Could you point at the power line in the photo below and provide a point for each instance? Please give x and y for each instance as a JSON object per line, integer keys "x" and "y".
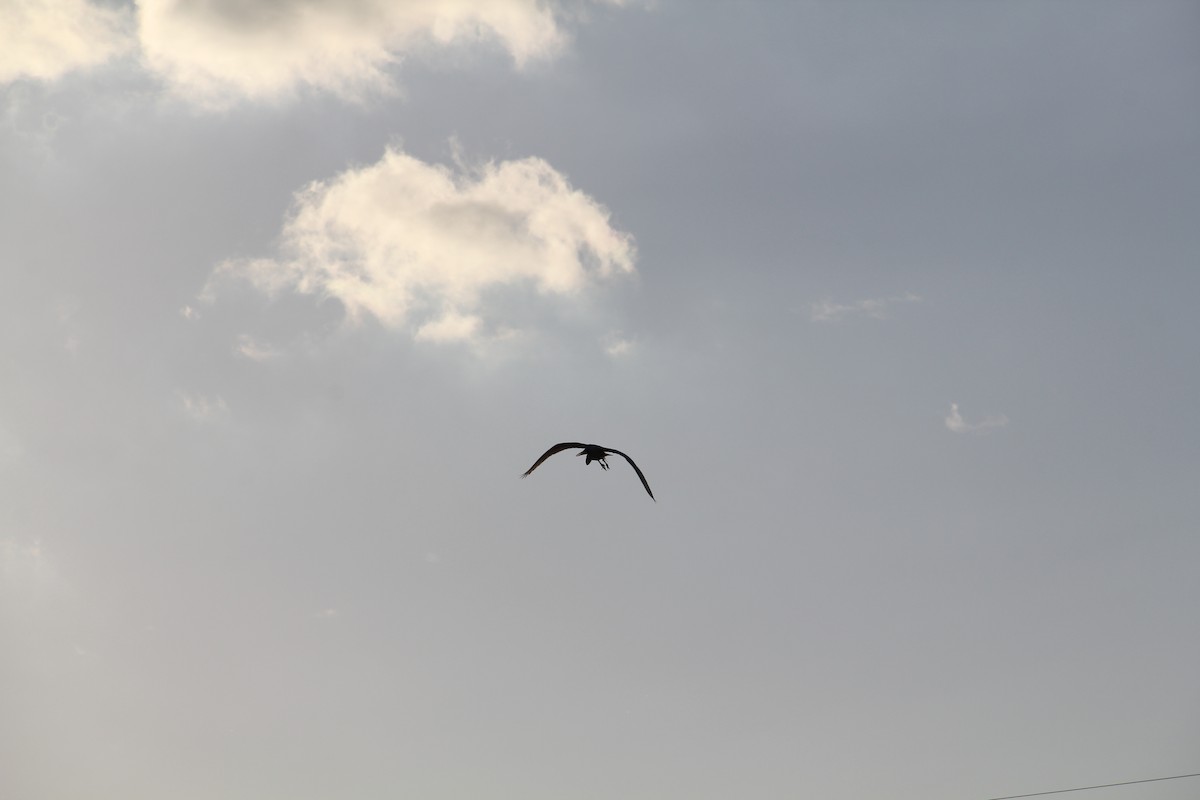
{"x": 1101, "y": 786}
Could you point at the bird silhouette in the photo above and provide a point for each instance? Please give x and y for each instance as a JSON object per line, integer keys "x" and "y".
{"x": 594, "y": 452}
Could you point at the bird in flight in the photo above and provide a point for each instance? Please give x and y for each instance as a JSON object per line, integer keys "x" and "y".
{"x": 594, "y": 452}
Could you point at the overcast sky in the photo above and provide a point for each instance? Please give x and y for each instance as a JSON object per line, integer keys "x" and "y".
{"x": 893, "y": 303}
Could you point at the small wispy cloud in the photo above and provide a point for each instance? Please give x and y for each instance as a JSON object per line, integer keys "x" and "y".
{"x": 66, "y": 308}
{"x": 251, "y": 348}
{"x": 617, "y": 345}
{"x": 956, "y": 424}
{"x": 876, "y": 307}
{"x": 326, "y": 613}
{"x": 12, "y": 549}
{"x": 189, "y": 313}
{"x": 34, "y": 128}
{"x": 67, "y": 312}
{"x": 450, "y": 327}
{"x": 23, "y": 560}
{"x": 202, "y": 408}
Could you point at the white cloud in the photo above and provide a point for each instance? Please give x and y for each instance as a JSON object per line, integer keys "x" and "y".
{"x": 422, "y": 248}
{"x": 202, "y": 408}
{"x": 221, "y": 50}
{"x": 251, "y": 348}
{"x": 326, "y": 613}
{"x": 451, "y": 326}
{"x": 617, "y": 346}
{"x": 46, "y": 39}
{"x": 214, "y": 53}
{"x": 829, "y": 311}
{"x": 956, "y": 424}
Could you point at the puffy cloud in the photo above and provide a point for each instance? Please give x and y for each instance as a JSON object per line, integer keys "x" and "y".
{"x": 45, "y": 39}
{"x": 829, "y": 311}
{"x": 214, "y": 51}
{"x": 956, "y": 424}
{"x": 420, "y": 247}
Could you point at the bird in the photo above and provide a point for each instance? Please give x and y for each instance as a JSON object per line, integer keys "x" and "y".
{"x": 594, "y": 452}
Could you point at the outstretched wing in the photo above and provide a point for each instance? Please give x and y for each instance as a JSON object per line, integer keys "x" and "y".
{"x": 635, "y": 469}
{"x": 558, "y": 448}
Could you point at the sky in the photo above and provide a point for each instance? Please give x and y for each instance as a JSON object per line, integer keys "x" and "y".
{"x": 894, "y": 304}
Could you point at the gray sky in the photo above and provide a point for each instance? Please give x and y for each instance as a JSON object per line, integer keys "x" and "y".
{"x": 894, "y": 304}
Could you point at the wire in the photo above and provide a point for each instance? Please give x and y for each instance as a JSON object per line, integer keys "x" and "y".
{"x": 1101, "y": 786}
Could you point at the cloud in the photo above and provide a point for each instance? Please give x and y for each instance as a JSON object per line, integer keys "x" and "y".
{"x": 617, "y": 346}
{"x": 428, "y": 250}
{"x": 46, "y": 39}
{"x": 202, "y": 408}
{"x": 829, "y": 311}
{"x": 450, "y": 327}
{"x": 251, "y": 348}
{"x": 213, "y": 51}
{"x": 23, "y": 560}
{"x": 26, "y": 123}
{"x": 956, "y": 424}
